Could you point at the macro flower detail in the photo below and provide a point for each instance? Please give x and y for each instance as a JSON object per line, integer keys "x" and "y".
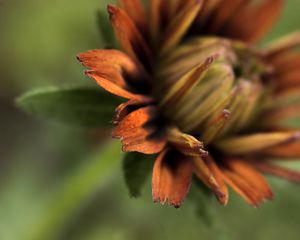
{"x": 201, "y": 96}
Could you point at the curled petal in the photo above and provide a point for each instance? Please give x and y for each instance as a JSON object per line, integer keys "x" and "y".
{"x": 139, "y": 134}
{"x": 171, "y": 178}
{"x": 125, "y": 108}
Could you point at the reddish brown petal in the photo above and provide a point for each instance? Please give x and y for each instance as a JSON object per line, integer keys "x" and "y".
{"x": 290, "y": 150}
{"x": 203, "y": 170}
{"x": 279, "y": 115}
{"x": 125, "y": 108}
{"x": 252, "y": 22}
{"x": 216, "y": 171}
{"x": 111, "y": 64}
{"x": 138, "y": 134}
{"x": 242, "y": 187}
{"x": 155, "y": 18}
{"x": 171, "y": 178}
{"x": 208, "y": 8}
{"x": 288, "y": 80}
{"x": 129, "y": 36}
{"x": 136, "y": 11}
{"x": 112, "y": 87}
{"x": 278, "y": 171}
{"x": 223, "y": 14}
{"x": 284, "y": 63}
{"x": 252, "y": 176}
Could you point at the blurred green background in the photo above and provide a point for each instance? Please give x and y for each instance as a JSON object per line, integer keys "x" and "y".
{"x": 57, "y": 183}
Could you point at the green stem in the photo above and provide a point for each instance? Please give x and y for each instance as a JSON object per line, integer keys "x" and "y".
{"x": 78, "y": 188}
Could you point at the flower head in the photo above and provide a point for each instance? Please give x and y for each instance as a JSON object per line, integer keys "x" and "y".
{"x": 200, "y": 95}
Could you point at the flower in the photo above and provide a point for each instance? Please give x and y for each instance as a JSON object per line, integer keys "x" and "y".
{"x": 201, "y": 96}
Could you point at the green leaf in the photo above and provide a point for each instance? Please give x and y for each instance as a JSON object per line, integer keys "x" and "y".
{"x": 85, "y": 107}
{"x": 137, "y": 167}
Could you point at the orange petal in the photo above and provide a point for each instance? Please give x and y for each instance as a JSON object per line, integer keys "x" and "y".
{"x": 129, "y": 36}
{"x": 278, "y": 171}
{"x": 242, "y": 187}
{"x": 113, "y": 87}
{"x": 138, "y": 134}
{"x": 111, "y": 64}
{"x": 136, "y": 11}
{"x": 290, "y": 150}
{"x": 171, "y": 179}
{"x": 223, "y": 14}
{"x": 252, "y": 22}
{"x": 281, "y": 114}
{"x": 288, "y": 80}
{"x": 216, "y": 171}
{"x": 125, "y": 108}
{"x": 203, "y": 170}
{"x": 208, "y": 8}
{"x": 252, "y": 176}
{"x": 285, "y": 62}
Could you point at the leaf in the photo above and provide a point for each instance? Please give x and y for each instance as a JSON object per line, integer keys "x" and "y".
{"x": 137, "y": 168}
{"x": 86, "y": 107}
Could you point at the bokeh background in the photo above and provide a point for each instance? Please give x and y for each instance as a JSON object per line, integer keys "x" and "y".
{"x": 57, "y": 182}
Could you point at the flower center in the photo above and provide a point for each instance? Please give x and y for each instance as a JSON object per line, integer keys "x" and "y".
{"x": 210, "y": 87}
